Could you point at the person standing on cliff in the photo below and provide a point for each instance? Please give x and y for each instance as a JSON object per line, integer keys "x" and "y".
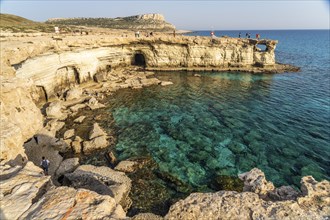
{"x": 45, "y": 165}
{"x": 239, "y": 35}
{"x": 258, "y": 36}
{"x": 174, "y": 33}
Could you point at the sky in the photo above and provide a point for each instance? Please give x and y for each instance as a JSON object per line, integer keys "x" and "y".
{"x": 187, "y": 14}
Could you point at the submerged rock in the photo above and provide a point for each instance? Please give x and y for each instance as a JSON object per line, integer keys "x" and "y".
{"x": 96, "y": 131}
{"x": 79, "y": 119}
{"x": 127, "y": 166}
{"x": 229, "y": 183}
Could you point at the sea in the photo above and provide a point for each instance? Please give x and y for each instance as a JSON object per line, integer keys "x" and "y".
{"x": 226, "y": 123}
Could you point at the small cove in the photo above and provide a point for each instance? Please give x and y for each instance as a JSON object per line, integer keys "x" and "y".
{"x": 223, "y": 124}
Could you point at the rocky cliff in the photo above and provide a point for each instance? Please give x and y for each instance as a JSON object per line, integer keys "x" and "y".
{"x": 152, "y": 22}
{"x": 56, "y": 64}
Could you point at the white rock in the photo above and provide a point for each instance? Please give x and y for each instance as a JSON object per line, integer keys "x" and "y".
{"x": 67, "y": 166}
{"x": 54, "y": 110}
{"x": 19, "y": 191}
{"x": 79, "y": 119}
{"x": 127, "y": 166}
{"x": 96, "y": 131}
{"x": 102, "y": 180}
{"x": 74, "y": 93}
{"x": 166, "y": 83}
{"x": 69, "y": 203}
{"x": 95, "y": 144}
{"x": 68, "y": 134}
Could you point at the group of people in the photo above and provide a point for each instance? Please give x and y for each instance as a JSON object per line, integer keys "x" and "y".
{"x": 248, "y": 35}
{"x": 137, "y": 34}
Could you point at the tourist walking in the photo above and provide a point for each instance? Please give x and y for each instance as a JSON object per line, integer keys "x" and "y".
{"x": 45, "y": 165}
{"x": 258, "y": 36}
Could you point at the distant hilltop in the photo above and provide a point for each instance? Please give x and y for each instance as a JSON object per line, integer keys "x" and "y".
{"x": 154, "y": 22}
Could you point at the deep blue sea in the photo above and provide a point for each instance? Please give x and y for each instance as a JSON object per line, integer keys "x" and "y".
{"x": 228, "y": 123}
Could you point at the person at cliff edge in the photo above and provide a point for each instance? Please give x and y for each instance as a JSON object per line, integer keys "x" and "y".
{"x": 45, "y": 165}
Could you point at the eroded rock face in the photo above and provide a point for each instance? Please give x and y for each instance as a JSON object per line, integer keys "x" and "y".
{"x": 64, "y": 67}
{"x": 43, "y": 146}
{"x": 314, "y": 203}
{"x": 69, "y": 203}
{"x": 255, "y": 181}
{"x": 102, "y": 180}
{"x": 20, "y": 119}
{"x": 19, "y": 186}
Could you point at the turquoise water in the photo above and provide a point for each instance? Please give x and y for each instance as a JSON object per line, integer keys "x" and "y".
{"x": 227, "y": 123}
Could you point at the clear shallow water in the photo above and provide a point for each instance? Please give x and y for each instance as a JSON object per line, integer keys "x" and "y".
{"x": 228, "y": 123}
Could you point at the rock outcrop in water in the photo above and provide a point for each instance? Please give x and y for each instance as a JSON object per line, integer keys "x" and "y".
{"x": 314, "y": 202}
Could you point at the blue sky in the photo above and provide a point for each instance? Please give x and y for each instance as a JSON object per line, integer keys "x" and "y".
{"x": 188, "y": 15}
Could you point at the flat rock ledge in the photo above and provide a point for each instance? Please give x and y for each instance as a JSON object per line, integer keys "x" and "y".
{"x": 258, "y": 202}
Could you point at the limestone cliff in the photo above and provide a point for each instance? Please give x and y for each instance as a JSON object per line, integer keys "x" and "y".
{"x": 54, "y": 65}
{"x": 152, "y": 22}
{"x": 20, "y": 119}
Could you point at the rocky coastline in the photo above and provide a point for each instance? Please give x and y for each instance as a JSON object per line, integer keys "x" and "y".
{"x": 45, "y": 81}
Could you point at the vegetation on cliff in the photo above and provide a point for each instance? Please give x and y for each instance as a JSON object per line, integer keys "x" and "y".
{"x": 139, "y": 22}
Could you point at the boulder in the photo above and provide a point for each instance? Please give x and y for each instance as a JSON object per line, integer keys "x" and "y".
{"x": 94, "y": 104}
{"x": 76, "y": 145}
{"x": 54, "y": 110}
{"x": 52, "y": 127}
{"x": 316, "y": 195}
{"x": 95, "y": 144}
{"x": 166, "y": 83}
{"x": 283, "y": 193}
{"x": 150, "y": 81}
{"x": 127, "y": 166}
{"x": 19, "y": 188}
{"x": 79, "y": 119}
{"x": 96, "y": 131}
{"x": 61, "y": 145}
{"x": 68, "y": 134}
{"x": 67, "y": 166}
{"x": 255, "y": 181}
{"x": 69, "y": 203}
{"x": 75, "y": 108}
{"x": 101, "y": 76}
{"x": 102, "y": 180}
{"x": 74, "y": 93}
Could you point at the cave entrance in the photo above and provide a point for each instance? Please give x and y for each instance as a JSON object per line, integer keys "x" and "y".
{"x": 139, "y": 60}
